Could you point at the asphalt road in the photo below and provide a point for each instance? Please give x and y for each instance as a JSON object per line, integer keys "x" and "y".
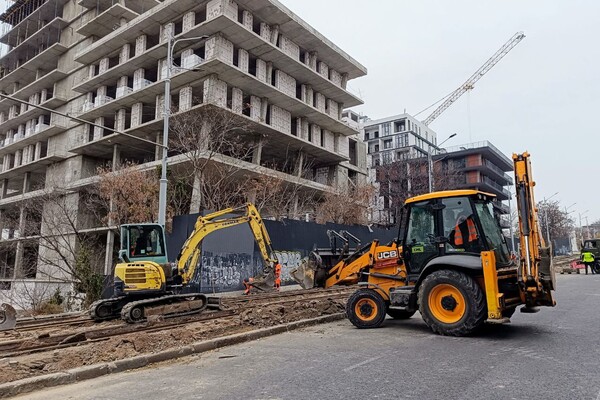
{"x": 554, "y": 354}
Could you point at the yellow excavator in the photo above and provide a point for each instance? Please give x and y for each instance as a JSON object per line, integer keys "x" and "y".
{"x": 146, "y": 284}
{"x": 450, "y": 262}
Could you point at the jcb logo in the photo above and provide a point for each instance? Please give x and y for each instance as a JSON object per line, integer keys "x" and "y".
{"x": 387, "y": 254}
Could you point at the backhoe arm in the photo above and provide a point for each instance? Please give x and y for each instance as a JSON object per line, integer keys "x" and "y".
{"x": 187, "y": 260}
{"x": 536, "y": 272}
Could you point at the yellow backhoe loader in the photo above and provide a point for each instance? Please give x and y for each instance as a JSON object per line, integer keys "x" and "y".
{"x": 450, "y": 262}
{"x": 146, "y": 284}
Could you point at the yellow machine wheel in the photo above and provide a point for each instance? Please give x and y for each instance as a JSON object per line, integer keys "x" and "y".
{"x": 452, "y": 303}
{"x": 447, "y": 303}
{"x": 366, "y": 309}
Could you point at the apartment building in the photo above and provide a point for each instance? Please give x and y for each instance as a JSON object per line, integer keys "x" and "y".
{"x": 104, "y": 61}
{"x": 397, "y": 138}
{"x": 401, "y": 138}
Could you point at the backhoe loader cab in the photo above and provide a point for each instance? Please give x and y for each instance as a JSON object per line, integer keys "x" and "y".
{"x": 450, "y": 227}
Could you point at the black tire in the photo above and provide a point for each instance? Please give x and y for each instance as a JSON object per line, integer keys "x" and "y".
{"x": 473, "y": 303}
{"x": 366, "y": 309}
{"x": 400, "y": 314}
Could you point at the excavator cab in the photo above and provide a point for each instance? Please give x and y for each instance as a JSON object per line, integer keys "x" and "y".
{"x": 143, "y": 242}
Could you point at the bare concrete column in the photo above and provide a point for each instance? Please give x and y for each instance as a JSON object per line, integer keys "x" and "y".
{"x": 125, "y": 53}
{"x": 269, "y": 78}
{"x": 38, "y": 151}
{"x": 274, "y": 34}
{"x": 237, "y": 100}
{"x": 264, "y": 105}
{"x": 3, "y": 188}
{"x": 299, "y": 164}
{"x": 257, "y": 153}
{"x": 344, "y": 81}
{"x": 19, "y": 270}
{"x": 27, "y": 182}
{"x": 158, "y": 148}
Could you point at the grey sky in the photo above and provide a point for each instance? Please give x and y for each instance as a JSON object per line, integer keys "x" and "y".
{"x": 539, "y": 98}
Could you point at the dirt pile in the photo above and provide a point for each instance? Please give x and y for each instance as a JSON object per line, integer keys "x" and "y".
{"x": 89, "y": 352}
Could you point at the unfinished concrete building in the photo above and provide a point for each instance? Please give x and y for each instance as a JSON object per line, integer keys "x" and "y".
{"x": 105, "y": 61}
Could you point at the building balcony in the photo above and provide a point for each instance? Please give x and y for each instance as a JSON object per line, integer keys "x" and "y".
{"x": 234, "y": 77}
{"x": 45, "y": 12}
{"x": 488, "y": 168}
{"x": 486, "y": 149}
{"x": 38, "y": 133}
{"x": 137, "y": 6}
{"x": 27, "y": 72}
{"x": 32, "y": 113}
{"x": 34, "y": 87}
{"x": 233, "y": 30}
{"x": 34, "y": 165}
{"x": 46, "y": 36}
{"x": 279, "y": 142}
{"x": 107, "y": 21}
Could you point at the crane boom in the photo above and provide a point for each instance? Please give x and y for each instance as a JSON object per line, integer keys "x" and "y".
{"x": 470, "y": 83}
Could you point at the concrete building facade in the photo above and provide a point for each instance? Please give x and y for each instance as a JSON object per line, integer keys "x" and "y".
{"x": 104, "y": 61}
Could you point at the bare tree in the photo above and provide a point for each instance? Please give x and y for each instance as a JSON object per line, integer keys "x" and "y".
{"x": 126, "y": 195}
{"x": 347, "y": 205}
{"x": 554, "y": 220}
{"x": 214, "y": 141}
{"x": 403, "y": 179}
{"x": 57, "y": 248}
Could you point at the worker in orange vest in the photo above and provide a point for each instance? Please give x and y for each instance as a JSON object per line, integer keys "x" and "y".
{"x": 277, "y": 275}
{"x": 465, "y": 227}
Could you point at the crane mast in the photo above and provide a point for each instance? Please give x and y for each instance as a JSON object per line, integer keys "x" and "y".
{"x": 470, "y": 83}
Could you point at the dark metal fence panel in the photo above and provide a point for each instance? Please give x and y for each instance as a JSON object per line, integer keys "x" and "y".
{"x": 230, "y": 255}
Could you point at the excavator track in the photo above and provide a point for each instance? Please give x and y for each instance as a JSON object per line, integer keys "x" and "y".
{"x": 168, "y": 306}
{"x": 106, "y": 309}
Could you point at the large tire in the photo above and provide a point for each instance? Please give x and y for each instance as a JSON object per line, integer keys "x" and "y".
{"x": 452, "y": 303}
{"x": 400, "y": 314}
{"x": 366, "y": 309}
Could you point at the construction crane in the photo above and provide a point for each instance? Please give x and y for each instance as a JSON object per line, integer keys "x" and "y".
{"x": 470, "y": 83}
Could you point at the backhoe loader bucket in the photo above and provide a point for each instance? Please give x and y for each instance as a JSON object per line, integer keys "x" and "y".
{"x": 304, "y": 275}
{"x": 8, "y": 317}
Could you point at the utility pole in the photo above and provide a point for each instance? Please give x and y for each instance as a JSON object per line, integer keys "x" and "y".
{"x": 162, "y": 195}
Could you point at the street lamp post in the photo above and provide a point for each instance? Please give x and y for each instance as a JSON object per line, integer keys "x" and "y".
{"x": 430, "y": 162}
{"x": 162, "y": 196}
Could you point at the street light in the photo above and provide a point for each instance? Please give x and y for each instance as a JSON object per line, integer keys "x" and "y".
{"x": 162, "y": 196}
{"x": 430, "y": 163}
{"x": 547, "y": 219}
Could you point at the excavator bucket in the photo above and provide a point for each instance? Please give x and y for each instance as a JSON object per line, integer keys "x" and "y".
{"x": 304, "y": 275}
{"x": 264, "y": 282}
{"x": 8, "y": 317}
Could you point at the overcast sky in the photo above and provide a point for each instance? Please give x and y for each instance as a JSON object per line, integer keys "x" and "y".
{"x": 543, "y": 97}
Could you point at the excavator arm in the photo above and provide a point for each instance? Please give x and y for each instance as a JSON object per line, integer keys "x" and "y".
{"x": 187, "y": 260}
{"x": 536, "y": 274}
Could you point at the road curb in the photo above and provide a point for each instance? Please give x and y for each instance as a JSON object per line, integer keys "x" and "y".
{"x": 28, "y": 385}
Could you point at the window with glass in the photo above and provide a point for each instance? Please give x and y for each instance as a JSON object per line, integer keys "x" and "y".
{"x": 492, "y": 231}
{"x": 459, "y": 226}
{"x": 146, "y": 241}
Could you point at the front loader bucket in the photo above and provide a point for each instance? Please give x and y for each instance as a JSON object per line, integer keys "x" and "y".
{"x": 304, "y": 275}
{"x": 546, "y": 269}
{"x": 8, "y": 317}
